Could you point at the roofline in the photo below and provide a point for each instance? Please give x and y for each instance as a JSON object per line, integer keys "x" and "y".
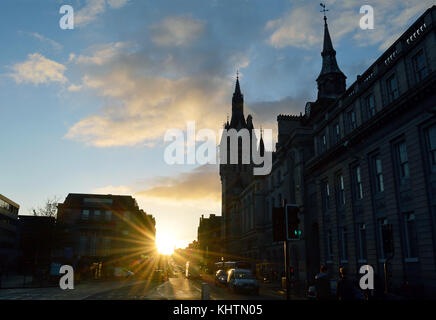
{"x": 2, "y": 197}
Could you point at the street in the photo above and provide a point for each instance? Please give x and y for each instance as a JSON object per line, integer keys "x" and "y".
{"x": 176, "y": 288}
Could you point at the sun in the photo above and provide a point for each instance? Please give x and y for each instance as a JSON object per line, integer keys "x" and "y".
{"x": 165, "y": 245}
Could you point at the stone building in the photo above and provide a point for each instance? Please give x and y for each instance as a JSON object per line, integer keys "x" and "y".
{"x": 358, "y": 159}
{"x": 209, "y": 240}
{"x": 96, "y": 229}
{"x": 9, "y": 244}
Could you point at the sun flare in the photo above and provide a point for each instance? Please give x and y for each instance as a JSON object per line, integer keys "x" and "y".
{"x": 165, "y": 245}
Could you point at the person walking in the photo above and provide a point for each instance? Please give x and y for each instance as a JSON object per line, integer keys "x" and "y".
{"x": 322, "y": 284}
{"x": 344, "y": 286}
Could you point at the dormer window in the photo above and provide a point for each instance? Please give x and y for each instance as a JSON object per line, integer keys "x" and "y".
{"x": 419, "y": 65}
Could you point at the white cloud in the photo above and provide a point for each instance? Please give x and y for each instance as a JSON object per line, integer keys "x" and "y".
{"x": 302, "y": 25}
{"x": 101, "y": 54}
{"x": 141, "y": 109}
{"x": 176, "y": 31}
{"x": 38, "y": 69}
{"x": 116, "y": 4}
{"x": 95, "y": 8}
{"x": 74, "y": 87}
{"x": 56, "y": 46}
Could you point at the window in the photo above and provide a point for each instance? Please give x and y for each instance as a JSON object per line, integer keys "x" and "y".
{"x": 344, "y": 246}
{"x": 329, "y": 246}
{"x": 403, "y": 163}
{"x": 106, "y": 246}
{"x": 392, "y": 86}
{"x": 127, "y": 215}
{"x": 83, "y": 245}
{"x": 325, "y": 194}
{"x": 370, "y": 105}
{"x": 411, "y": 236}
{"x": 419, "y": 65}
{"x": 431, "y": 145}
{"x": 341, "y": 190}
{"x": 361, "y": 242}
{"x": 322, "y": 143}
{"x": 358, "y": 188}
{"x": 351, "y": 120}
{"x": 108, "y": 215}
{"x": 379, "y": 184}
{"x": 382, "y": 223}
{"x": 97, "y": 214}
{"x": 85, "y": 215}
{"x": 336, "y": 134}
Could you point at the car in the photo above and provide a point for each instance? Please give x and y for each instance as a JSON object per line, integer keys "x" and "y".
{"x": 221, "y": 277}
{"x": 242, "y": 280}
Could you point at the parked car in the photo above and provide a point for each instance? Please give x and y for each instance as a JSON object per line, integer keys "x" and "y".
{"x": 242, "y": 280}
{"x": 221, "y": 277}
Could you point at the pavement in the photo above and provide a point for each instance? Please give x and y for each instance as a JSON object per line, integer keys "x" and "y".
{"x": 81, "y": 291}
{"x": 175, "y": 288}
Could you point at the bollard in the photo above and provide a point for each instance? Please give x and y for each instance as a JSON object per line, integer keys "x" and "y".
{"x": 205, "y": 291}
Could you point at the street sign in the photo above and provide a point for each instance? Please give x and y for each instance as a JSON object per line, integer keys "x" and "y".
{"x": 293, "y": 231}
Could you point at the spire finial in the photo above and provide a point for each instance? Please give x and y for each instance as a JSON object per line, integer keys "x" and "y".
{"x": 324, "y": 10}
{"x": 237, "y": 74}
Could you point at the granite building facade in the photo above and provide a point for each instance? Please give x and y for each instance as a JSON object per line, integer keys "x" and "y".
{"x": 111, "y": 229}
{"x": 358, "y": 159}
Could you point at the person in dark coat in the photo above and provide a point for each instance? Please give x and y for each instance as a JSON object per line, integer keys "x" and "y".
{"x": 322, "y": 284}
{"x": 344, "y": 286}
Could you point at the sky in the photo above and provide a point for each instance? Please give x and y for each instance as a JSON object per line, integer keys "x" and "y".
{"x": 86, "y": 110}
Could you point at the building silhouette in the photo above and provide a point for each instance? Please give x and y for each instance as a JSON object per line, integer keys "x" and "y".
{"x": 110, "y": 230}
{"x": 9, "y": 250}
{"x": 209, "y": 240}
{"x": 360, "y": 160}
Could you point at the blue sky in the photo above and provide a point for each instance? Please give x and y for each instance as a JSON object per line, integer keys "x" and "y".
{"x": 85, "y": 110}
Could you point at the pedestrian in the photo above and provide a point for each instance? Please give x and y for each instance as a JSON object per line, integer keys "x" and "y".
{"x": 344, "y": 286}
{"x": 322, "y": 284}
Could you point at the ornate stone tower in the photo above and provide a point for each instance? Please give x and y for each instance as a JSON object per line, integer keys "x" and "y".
{"x": 234, "y": 177}
{"x": 331, "y": 80}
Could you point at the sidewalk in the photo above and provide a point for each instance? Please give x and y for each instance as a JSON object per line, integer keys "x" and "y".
{"x": 81, "y": 291}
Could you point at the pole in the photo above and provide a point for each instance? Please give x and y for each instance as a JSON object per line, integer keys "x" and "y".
{"x": 288, "y": 287}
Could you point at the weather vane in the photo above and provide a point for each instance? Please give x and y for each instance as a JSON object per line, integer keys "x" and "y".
{"x": 324, "y": 10}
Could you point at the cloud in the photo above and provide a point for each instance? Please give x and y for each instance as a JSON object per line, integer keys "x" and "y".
{"x": 176, "y": 31}
{"x": 95, "y": 8}
{"x": 141, "y": 109}
{"x": 38, "y": 69}
{"x": 116, "y": 4}
{"x": 199, "y": 184}
{"x": 101, "y": 54}
{"x": 74, "y": 87}
{"x": 118, "y": 190}
{"x": 302, "y": 25}
{"x": 55, "y": 45}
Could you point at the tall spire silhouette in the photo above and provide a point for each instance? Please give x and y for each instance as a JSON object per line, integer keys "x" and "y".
{"x": 331, "y": 80}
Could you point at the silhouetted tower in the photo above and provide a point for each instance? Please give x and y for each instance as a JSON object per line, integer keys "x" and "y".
{"x": 331, "y": 80}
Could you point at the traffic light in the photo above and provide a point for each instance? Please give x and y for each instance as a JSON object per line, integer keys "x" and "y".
{"x": 278, "y": 221}
{"x": 292, "y": 222}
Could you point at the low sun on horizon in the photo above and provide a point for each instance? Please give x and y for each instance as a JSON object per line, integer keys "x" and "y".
{"x": 165, "y": 244}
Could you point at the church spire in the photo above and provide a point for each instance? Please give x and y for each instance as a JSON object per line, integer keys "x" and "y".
{"x": 238, "y": 120}
{"x": 331, "y": 80}
{"x": 261, "y": 144}
{"x": 237, "y": 95}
